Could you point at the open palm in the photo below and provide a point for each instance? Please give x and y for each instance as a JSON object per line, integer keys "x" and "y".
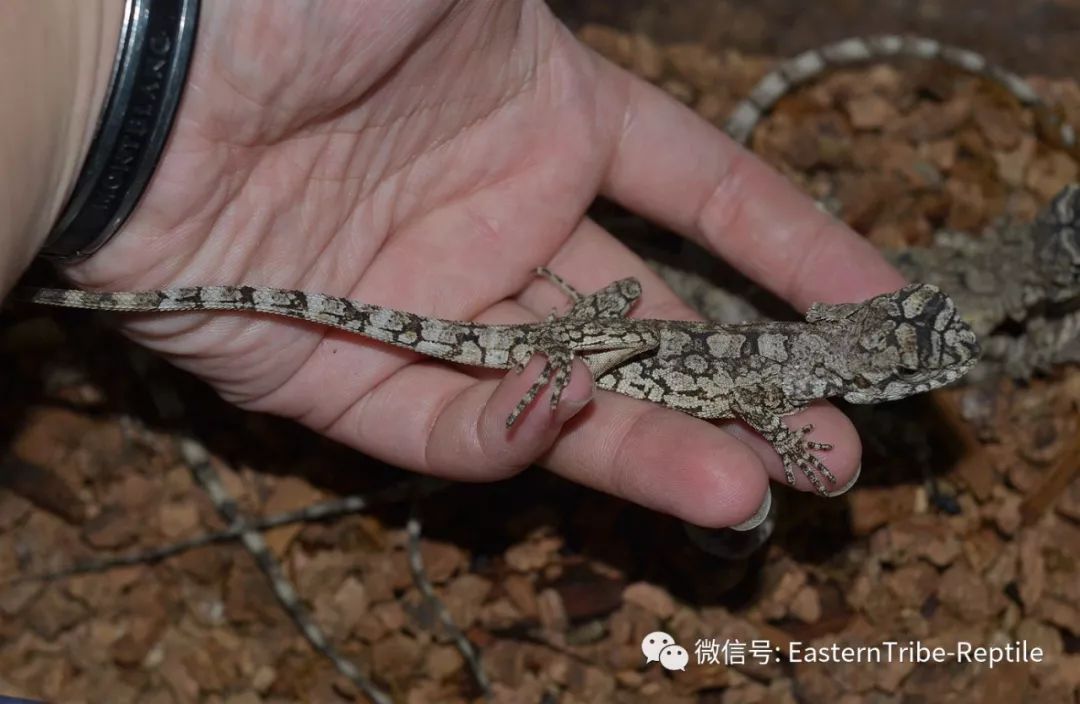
{"x": 428, "y": 156}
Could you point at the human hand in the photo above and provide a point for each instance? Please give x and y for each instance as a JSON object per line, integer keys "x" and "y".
{"x": 428, "y": 156}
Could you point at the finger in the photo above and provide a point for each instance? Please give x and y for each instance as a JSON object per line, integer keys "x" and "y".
{"x": 436, "y": 420}
{"x": 672, "y": 166}
{"x": 661, "y": 459}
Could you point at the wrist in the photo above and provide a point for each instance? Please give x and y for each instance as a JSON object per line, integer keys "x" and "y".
{"x": 56, "y": 58}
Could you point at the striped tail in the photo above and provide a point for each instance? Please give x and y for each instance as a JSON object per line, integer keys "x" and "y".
{"x": 492, "y": 346}
{"x": 815, "y": 62}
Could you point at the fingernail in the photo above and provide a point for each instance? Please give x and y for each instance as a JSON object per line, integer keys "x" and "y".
{"x": 760, "y": 515}
{"x": 850, "y": 483}
{"x": 568, "y": 408}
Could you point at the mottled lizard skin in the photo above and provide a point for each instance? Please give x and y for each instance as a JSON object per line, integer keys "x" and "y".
{"x": 595, "y": 325}
{"x": 1022, "y": 273}
{"x": 889, "y": 347}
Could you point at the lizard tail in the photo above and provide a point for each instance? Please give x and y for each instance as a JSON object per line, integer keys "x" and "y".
{"x": 454, "y": 341}
{"x": 813, "y": 63}
{"x": 177, "y": 299}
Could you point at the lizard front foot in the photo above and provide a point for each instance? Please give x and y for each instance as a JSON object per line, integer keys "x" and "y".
{"x": 792, "y": 446}
{"x": 794, "y": 450}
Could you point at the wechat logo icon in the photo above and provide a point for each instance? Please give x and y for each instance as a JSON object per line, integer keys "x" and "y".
{"x": 661, "y": 647}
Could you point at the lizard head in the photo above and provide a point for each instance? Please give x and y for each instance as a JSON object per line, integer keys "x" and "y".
{"x": 901, "y": 343}
{"x": 1057, "y": 243}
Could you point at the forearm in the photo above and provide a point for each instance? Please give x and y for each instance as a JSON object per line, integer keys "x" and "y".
{"x": 56, "y": 57}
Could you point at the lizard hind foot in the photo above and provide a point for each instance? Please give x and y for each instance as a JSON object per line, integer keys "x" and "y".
{"x": 556, "y": 370}
{"x": 560, "y": 283}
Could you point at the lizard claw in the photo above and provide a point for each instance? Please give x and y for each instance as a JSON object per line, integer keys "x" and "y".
{"x": 814, "y": 444}
{"x": 811, "y": 467}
